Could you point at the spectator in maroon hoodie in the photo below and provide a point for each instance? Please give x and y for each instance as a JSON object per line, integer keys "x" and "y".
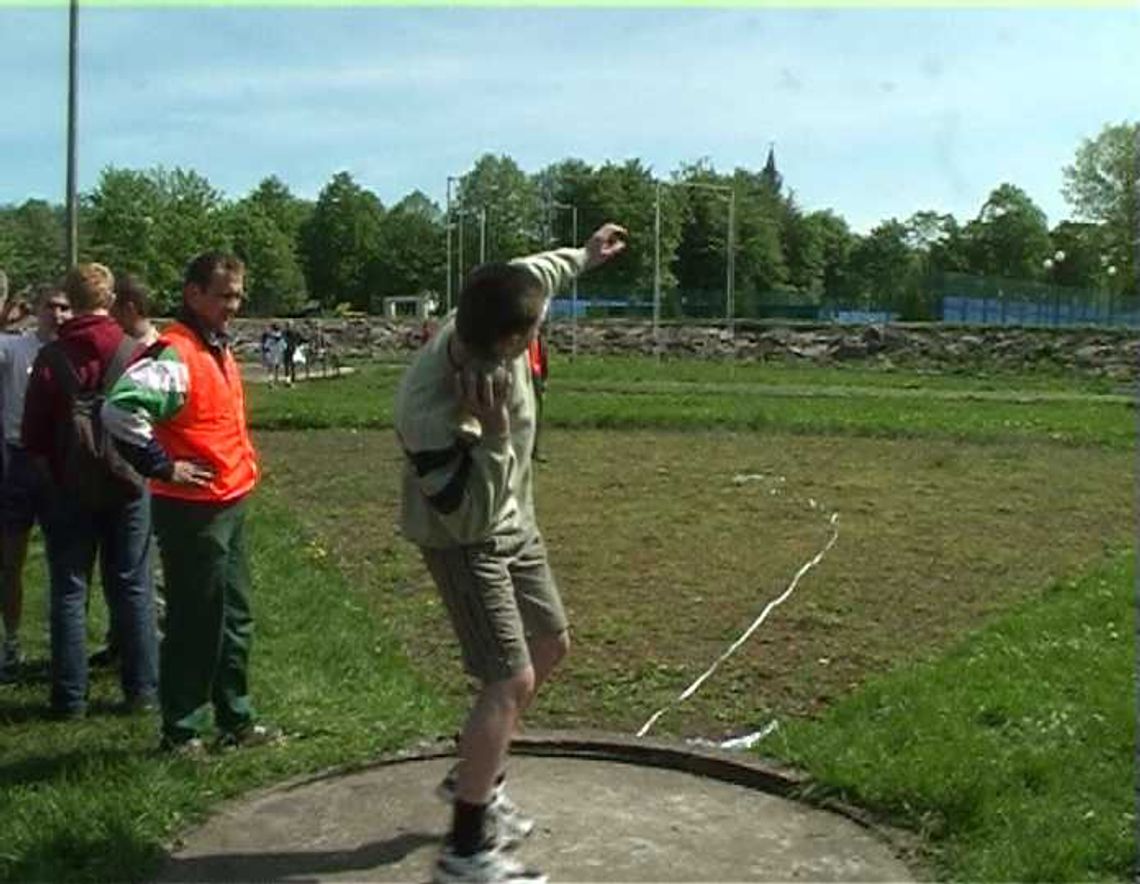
{"x": 119, "y": 532}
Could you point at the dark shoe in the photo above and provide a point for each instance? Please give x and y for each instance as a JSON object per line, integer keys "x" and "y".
{"x": 68, "y": 713}
{"x": 252, "y": 736}
{"x": 11, "y": 662}
{"x": 104, "y": 658}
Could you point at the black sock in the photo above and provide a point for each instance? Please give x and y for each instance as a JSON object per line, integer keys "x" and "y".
{"x": 467, "y": 827}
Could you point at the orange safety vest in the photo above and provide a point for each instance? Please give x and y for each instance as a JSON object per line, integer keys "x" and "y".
{"x": 210, "y": 427}
{"x": 536, "y": 357}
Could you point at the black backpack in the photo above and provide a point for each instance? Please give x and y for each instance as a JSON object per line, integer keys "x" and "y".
{"x": 92, "y": 469}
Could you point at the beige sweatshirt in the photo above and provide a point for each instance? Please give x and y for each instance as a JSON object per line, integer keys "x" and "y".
{"x": 460, "y": 487}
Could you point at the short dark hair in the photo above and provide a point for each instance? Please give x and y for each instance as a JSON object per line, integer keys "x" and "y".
{"x": 129, "y": 289}
{"x": 45, "y": 291}
{"x": 201, "y": 270}
{"x": 497, "y": 300}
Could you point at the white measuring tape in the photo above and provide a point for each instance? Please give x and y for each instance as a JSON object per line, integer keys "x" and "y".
{"x": 833, "y": 522}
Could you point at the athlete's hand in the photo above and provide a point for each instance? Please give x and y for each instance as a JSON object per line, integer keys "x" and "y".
{"x": 605, "y": 243}
{"x": 486, "y": 396}
{"x": 188, "y": 472}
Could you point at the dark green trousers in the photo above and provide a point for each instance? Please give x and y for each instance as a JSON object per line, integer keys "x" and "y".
{"x": 204, "y": 658}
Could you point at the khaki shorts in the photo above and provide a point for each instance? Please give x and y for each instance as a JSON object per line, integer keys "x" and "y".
{"x": 498, "y": 594}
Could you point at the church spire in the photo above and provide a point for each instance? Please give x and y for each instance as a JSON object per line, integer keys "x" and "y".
{"x": 770, "y": 176}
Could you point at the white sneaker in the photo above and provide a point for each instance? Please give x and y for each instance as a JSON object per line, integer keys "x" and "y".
{"x": 487, "y": 866}
{"x": 509, "y": 825}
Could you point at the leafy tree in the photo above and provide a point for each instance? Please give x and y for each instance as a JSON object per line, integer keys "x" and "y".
{"x": 340, "y": 241}
{"x": 124, "y": 211}
{"x": 561, "y": 185}
{"x": 627, "y": 193}
{"x": 1010, "y": 237}
{"x": 31, "y": 243}
{"x": 761, "y": 267}
{"x": 509, "y": 198}
{"x": 700, "y": 262}
{"x": 274, "y": 284}
{"x": 1102, "y": 185}
{"x": 274, "y": 200}
{"x": 152, "y": 223}
{"x": 413, "y": 257}
{"x": 1086, "y": 263}
{"x": 937, "y": 240}
{"x": 836, "y": 243}
{"x": 883, "y": 265}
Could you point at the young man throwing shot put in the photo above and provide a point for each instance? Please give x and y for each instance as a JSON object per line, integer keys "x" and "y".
{"x": 465, "y": 418}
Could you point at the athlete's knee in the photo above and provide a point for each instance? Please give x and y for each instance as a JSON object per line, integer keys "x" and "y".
{"x": 515, "y": 690}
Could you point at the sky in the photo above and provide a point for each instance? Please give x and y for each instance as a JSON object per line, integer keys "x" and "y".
{"x": 874, "y": 112}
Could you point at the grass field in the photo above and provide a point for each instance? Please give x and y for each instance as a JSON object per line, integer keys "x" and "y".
{"x": 960, "y": 663}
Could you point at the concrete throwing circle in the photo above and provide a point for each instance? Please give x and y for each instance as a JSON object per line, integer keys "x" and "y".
{"x": 598, "y": 820}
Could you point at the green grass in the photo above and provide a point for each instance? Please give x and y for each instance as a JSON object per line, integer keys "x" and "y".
{"x": 93, "y": 801}
{"x": 636, "y": 369}
{"x": 921, "y": 670}
{"x": 630, "y": 393}
{"x": 1014, "y": 752}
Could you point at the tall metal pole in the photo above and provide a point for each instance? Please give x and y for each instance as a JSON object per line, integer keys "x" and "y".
{"x": 447, "y": 226}
{"x": 483, "y": 235}
{"x": 574, "y": 289}
{"x": 72, "y": 88}
{"x": 731, "y": 247}
{"x": 657, "y": 271}
{"x": 459, "y": 244}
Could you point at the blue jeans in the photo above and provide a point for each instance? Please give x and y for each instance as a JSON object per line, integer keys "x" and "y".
{"x": 122, "y": 536}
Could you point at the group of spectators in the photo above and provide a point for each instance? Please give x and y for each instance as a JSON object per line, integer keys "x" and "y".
{"x": 114, "y": 434}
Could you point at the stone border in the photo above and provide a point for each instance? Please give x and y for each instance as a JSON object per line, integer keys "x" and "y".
{"x": 740, "y": 769}
{"x": 737, "y": 768}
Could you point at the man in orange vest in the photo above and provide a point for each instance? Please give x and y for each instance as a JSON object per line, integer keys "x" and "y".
{"x": 178, "y": 415}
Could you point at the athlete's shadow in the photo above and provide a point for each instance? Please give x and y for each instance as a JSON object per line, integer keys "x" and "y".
{"x": 307, "y": 865}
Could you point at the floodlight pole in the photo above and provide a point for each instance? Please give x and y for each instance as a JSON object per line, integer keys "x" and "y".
{"x": 483, "y": 235}
{"x": 459, "y": 246}
{"x": 448, "y": 222}
{"x": 550, "y": 206}
{"x": 574, "y": 287}
{"x": 730, "y": 247}
{"x": 657, "y": 270}
{"x": 72, "y": 96}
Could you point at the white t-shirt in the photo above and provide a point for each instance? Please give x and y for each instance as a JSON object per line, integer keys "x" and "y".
{"x": 17, "y": 353}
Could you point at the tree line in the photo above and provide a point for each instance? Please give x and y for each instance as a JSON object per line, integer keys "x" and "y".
{"x": 348, "y": 250}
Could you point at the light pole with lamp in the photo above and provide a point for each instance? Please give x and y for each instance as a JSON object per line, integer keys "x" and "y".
{"x": 1109, "y": 269}
{"x": 1051, "y": 265}
{"x": 72, "y": 161}
{"x": 553, "y": 204}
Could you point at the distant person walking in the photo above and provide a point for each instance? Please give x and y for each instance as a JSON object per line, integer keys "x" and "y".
{"x": 273, "y": 351}
{"x": 293, "y": 343}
